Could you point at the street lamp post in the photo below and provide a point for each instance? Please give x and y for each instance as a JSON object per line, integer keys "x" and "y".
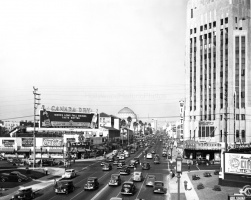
{"x": 178, "y": 171}
{"x": 41, "y": 157}
{"x": 171, "y": 147}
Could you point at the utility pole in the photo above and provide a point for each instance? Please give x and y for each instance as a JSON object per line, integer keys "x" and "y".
{"x": 226, "y": 116}
{"x": 36, "y": 103}
{"x": 234, "y": 115}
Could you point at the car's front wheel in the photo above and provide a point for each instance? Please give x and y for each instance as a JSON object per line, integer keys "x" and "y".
{"x": 2, "y": 180}
{"x": 19, "y": 180}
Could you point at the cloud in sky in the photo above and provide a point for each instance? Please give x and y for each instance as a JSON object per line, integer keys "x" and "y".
{"x": 75, "y": 50}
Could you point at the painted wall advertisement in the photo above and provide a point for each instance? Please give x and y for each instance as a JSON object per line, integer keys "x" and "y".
{"x": 49, "y": 119}
{"x": 8, "y": 143}
{"x": 52, "y": 142}
{"x": 105, "y": 121}
{"x": 238, "y": 163}
{"x": 27, "y": 142}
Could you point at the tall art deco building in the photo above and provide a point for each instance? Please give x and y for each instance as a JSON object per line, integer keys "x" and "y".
{"x": 218, "y": 71}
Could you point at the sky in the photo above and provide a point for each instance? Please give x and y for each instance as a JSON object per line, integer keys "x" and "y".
{"x": 98, "y": 54}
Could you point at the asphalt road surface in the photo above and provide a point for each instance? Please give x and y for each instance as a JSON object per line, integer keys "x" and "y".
{"x": 106, "y": 192}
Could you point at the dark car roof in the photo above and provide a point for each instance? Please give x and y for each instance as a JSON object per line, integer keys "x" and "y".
{"x": 65, "y": 181}
{"x": 128, "y": 182}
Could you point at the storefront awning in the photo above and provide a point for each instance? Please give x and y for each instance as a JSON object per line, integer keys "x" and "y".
{"x": 23, "y": 150}
{"x": 55, "y": 150}
{"x": 81, "y": 150}
{"x": 7, "y": 150}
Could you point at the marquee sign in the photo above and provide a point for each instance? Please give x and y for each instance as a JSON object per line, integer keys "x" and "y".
{"x": 236, "y": 163}
{"x": 50, "y": 119}
{"x": 68, "y": 109}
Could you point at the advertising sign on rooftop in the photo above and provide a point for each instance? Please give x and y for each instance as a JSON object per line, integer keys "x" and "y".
{"x": 51, "y": 119}
{"x": 236, "y": 163}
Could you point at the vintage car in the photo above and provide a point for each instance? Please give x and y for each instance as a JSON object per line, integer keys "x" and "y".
{"x": 149, "y": 156}
{"x": 153, "y": 152}
{"x": 125, "y": 170}
{"x": 150, "y": 180}
{"x": 156, "y": 160}
{"x": 69, "y": 173}
{"x": 164, "y": 154}
{"x": 126, "y": 153}
{"x": 202, "y": 161}
{"x": 122, "y": 157}
{"x": 137, "y": 176}
{"x": 48, "y": 162}
{"x": 128, "y": 188}
{"x": 115, "y": 180}
{"x": 120, "y": 164}
{"x": 145, "y": 166}
{"x": 132, "y": 164}
{"x": 133, "y": 151}
{"x": 64, "y": 186}
{"x": 107, "y": 167}
{"x": 92, "y": 183}
{"x": 169, "y": 156}
{"x": 24, "y": 193}
{"x": 110, "y": 159}
{"x": 13, "y": 176}
{"x": 102, "y": 163}
{"x": 158, "y": 187}
{"x": 136, "y": 160}
{"x": 115, "y": 162}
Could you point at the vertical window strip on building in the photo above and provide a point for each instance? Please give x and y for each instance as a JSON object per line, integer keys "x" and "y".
{"x": 243, "y": 60}
{"x": 237, "y": 71}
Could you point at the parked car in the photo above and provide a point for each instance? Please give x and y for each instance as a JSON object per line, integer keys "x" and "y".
{"x": 150, "y": 180}
{"x": 120, "y": 164}
{"x": 92, "y": 183}
{"x": 115, "y": 180}
{"x": 110, "y": 159}
{"x": 48, "y": 162}
{"x": 158, "y": 187}
{"x": 164, "y": 154}
{"x": 125, "y": 170}
{"x": 137, "y": 176}
{"x": 128, "y": 188}
{"x": 107, "y": 167}
{"x": 13, "y": 176}
{"x": 146, "y": 166}
{"x": 24, "y": 193}
{"x": 102, "y": 163}
{"x": 149, "y": 156}
{"x": 18, "y": 162}
{"x": 64, "y": 186}
{"x": 153, "y": 152}
{"x": 69, "y": 173}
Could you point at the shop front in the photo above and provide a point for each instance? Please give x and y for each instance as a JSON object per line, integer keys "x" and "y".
{"x": 8, "y": 147}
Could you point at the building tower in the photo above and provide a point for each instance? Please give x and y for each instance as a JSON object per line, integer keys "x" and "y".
{"x": 218, "y": 71}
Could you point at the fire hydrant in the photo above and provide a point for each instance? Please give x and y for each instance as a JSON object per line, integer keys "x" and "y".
{"x": 185, "y": 185}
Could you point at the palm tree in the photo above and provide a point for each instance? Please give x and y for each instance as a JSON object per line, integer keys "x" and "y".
{"x": 122, "y": 125}
{"x": 129, "y": 120}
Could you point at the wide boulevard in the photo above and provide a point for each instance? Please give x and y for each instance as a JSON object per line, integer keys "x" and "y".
{"x": 105, "y": 192}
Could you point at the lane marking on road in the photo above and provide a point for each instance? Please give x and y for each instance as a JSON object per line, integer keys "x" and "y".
{"x": 141, "y": 186}
{"x": 97, "y": 193}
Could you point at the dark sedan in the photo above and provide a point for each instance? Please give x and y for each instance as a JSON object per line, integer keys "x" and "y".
{"x": 13, "y": 176}
{"x": 158, "y": 187}
{"x": 145, "y": 166}
{"x": 128, "y": 188}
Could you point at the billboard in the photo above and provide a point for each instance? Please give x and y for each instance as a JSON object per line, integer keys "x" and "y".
{"x": 52, "y": 142}
{"x": 8, "y": 143}
{"x": 236, "y": 163}
{"x": 105, "y": 121}
{"x": 52, "y": 119}
{"x": 27, "y": 142}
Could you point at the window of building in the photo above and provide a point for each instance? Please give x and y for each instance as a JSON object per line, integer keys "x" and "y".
{"x": 214, "y": 24}
{"x": 226, "y": 20}
{"x": 242, "y": 116}
{"x": 201, "y": 28}
{"x": 191, "y": 31}
{"x": 243, "y": 133}
{"x": 237, "y": 133}
{"x": 221, "y": 22}
{"x": 191, "y": 13}
{"x": 210, "y": 25}
{"x": 236, "y": 19}
{"x": 221, "y": 117}
{"x": 205, "y": 27}
{"x": 237, "y": 117}
{"x": 194, "y": 30}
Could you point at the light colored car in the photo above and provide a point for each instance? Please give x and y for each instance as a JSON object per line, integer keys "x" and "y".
{"x": 137, "y": 176}
{"x": 150, "y": 180}
{"x": 69, "y": 173}
{"x": 149, "y": 156}
{"x": 121, "y": 156}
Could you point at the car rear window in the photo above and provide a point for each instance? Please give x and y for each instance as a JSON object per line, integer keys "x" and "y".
{"x": 127, "y": 185}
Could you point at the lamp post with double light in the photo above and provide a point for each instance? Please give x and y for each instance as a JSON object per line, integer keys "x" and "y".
{"x": 178, "y": 171}
{"x": 41, "y": 157}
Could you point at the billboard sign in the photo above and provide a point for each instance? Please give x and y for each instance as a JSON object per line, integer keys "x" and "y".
{"x": 105, "y": 121}
{"x": 8, "y": 143}
{"x": 27, "y": 142}
{"x": 236, "y": 163}
{"x": 52, "y": 142}
{"x": 50, "y": 119}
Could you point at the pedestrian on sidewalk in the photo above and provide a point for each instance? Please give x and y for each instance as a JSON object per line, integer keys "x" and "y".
{"x": 188, "y": 165}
